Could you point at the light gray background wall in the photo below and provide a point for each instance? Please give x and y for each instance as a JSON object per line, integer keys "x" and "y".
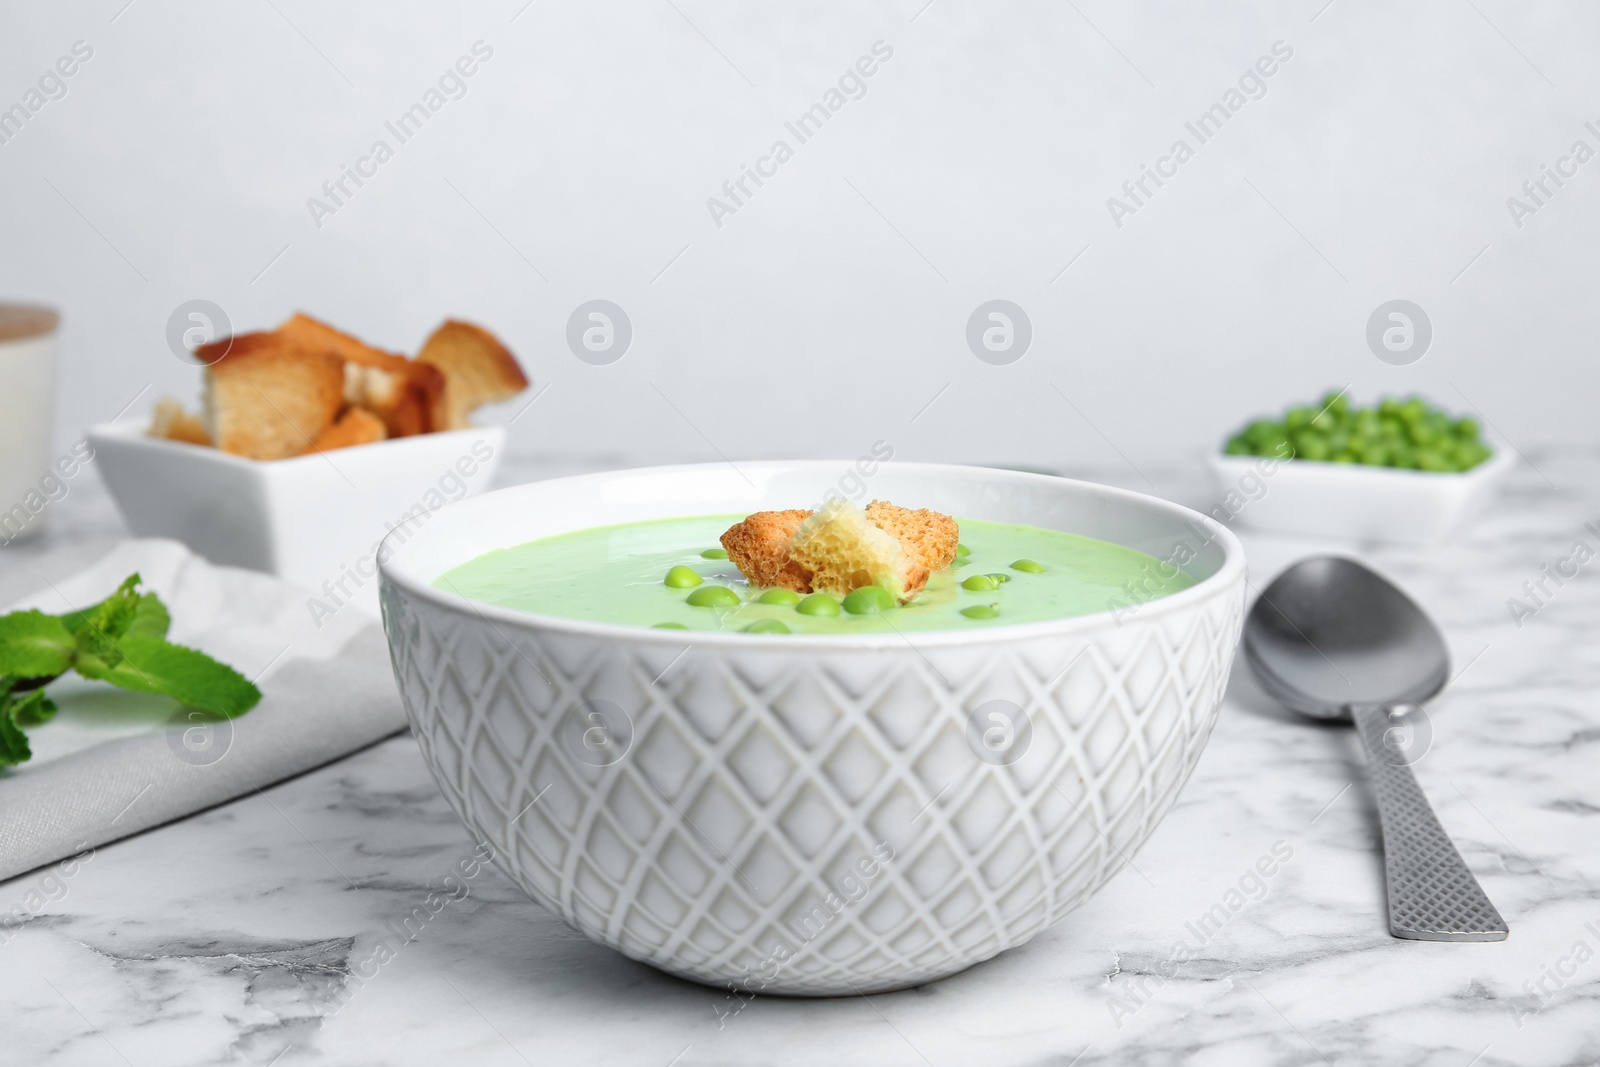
{"x": 831, "y": 309}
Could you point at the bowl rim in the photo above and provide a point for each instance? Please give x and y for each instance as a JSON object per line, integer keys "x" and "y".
{"x": 1232, "y": 571}
{"x": 132, "y": 434}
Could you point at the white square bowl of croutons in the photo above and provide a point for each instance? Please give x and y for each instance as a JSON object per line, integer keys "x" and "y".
{"x": 309, "y": 448}
{"x": 315, "y": 520}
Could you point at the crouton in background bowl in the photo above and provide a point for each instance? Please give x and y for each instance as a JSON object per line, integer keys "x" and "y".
{"x": 308, "y": 448}
{"x": 808, "y": 814}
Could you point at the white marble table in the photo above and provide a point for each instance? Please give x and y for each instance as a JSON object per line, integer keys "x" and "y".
{"x": 248, "y": 933}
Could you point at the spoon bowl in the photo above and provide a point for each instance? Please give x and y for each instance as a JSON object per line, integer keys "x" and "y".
{"x": 1329, "y": 633}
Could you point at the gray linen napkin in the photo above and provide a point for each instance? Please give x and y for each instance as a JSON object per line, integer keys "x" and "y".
{"x": 112, "y": 764}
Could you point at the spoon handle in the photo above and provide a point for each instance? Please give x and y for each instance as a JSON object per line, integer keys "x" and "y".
{"x": 1432, "y": 894}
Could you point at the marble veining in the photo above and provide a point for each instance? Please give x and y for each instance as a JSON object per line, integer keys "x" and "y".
{"x": 329, "y": 920}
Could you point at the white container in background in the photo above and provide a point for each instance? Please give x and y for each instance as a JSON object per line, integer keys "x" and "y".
{"x": 1352, "y": 500}
{"x": 28, "y": 480}
{"x": 314, "y": 520}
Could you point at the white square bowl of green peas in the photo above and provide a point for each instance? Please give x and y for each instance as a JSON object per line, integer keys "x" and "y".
{"x": 1398, "y": 471}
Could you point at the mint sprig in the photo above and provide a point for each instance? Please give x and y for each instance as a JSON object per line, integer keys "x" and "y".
{"x": 121, "y": 640}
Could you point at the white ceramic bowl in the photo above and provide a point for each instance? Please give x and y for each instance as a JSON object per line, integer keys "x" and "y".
{"x": 810, "y": 814}
{"x": 1351, "y": 500}
{"x": 315, "y": 520}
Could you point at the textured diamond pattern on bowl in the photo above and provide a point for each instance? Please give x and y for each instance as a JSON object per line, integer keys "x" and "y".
{"x": 758, "y": 781}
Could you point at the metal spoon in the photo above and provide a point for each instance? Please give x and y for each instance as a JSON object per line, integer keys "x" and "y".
{"x": 1331, "y": 639}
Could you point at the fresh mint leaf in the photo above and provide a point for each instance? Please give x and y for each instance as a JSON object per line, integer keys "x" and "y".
{"x": 34, "y": 709}
{"x": 150, "y": 617}
{"x": 34, "y": 645}
{"x": 148, "y": 664}
{"x": 73, "y": 620}
{"x": 13, "y": 742}
{"x": 108, "y": 621}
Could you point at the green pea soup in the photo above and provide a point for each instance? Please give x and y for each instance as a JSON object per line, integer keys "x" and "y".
{"x": 645, "y": 574}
